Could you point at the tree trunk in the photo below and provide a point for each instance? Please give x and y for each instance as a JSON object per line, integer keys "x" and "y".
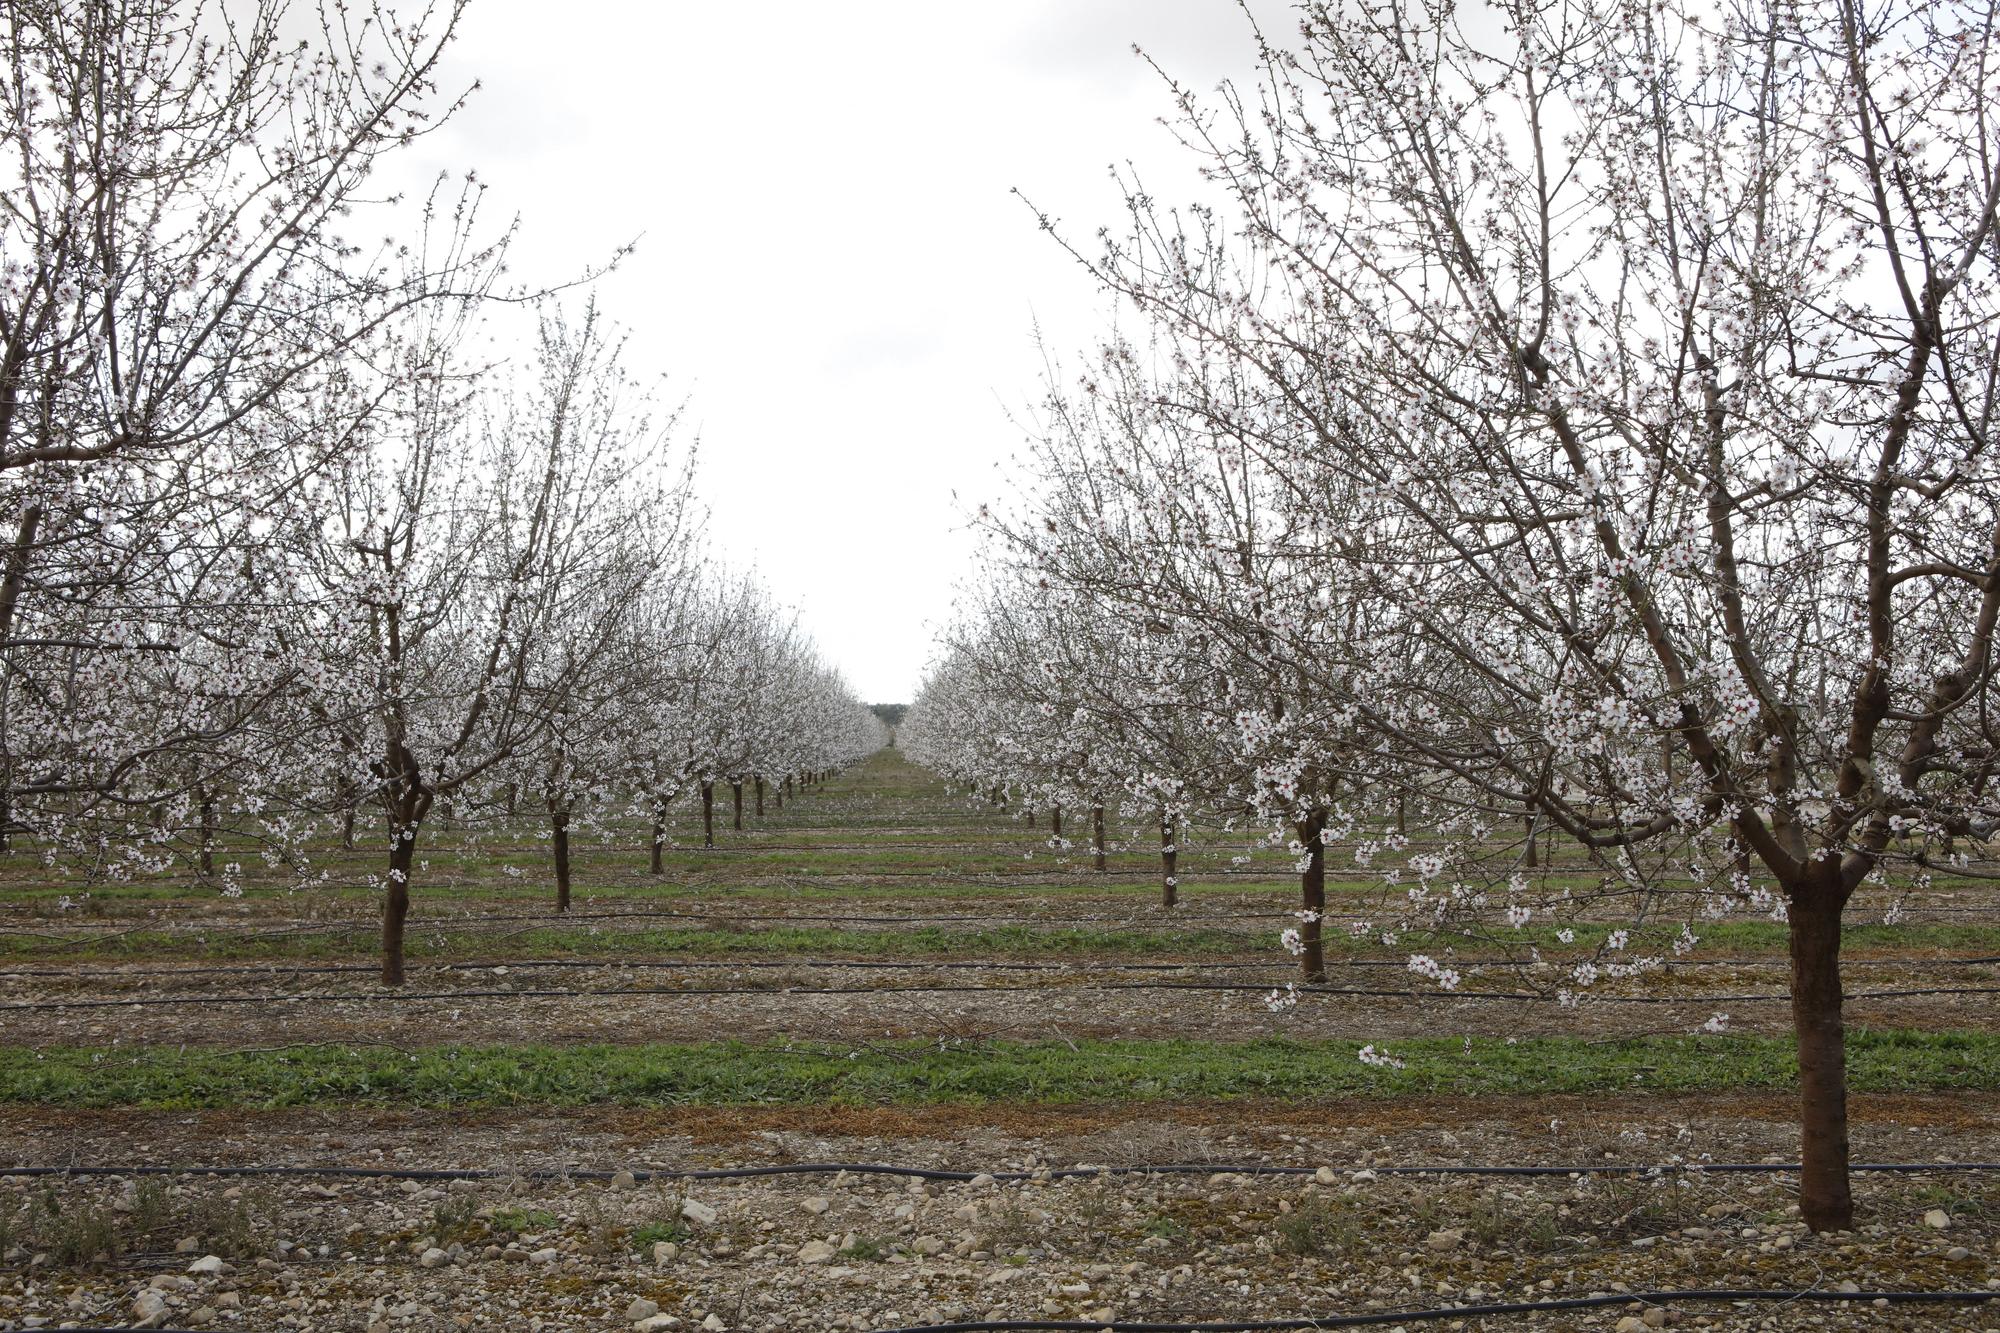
{"x": 559, "y": 847}
{"x": 207, "y": 831}
{"x": 1312, "y": 897}
{"x": 1402, "y": 812}
{"x": 1170, "y": 884}
{"x": 347, "y": 813}
{"x": 736, "y": 796}
{"x": 1097, "y": 836}
{"x": 760, "y": 798}
{"x": 654, "y": 863}
{"x": 707, "y": 814}
{"x": 396, "y": 903}
{"x": 1055, "y": 822}
{"x": 513, "y": 798}
{"x": 1528, "y": 858}
{"x": 1825, "y": 1201}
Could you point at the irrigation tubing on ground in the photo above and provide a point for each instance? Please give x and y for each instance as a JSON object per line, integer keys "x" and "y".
{"x": 553, "y": 993}
{"x": 567, "y": 1174}
{"x": 1692, "y": 1296}
{"x": 879, "y": 964}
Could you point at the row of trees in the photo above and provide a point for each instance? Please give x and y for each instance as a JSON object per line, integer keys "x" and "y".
{"x": 1567, "y": 418}
{"x": 290, "y": 548}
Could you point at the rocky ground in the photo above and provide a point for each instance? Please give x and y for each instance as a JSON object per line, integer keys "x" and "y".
{"x": 852, "y": 1251}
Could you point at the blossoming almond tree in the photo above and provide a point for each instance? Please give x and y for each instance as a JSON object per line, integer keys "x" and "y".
{"x": 1659, "y": 343}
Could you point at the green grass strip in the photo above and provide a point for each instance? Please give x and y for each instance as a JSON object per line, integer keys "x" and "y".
{"x": 735, "y": 1074}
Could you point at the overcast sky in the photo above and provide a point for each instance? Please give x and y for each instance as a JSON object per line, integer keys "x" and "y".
{"x": 830, "y": 261}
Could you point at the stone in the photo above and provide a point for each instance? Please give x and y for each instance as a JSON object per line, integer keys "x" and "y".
{"x": 624, "y": 1180}
{"x": 697, "y": 1212}
{"x": 815, "y": 1205}
{"x": 927, "y": 1246}
{"x": 816, "y": 1252}
{"x": 1957, "y": 1252}
{"x": 187, "y": 1245}
{"x": 1654, "y": 1318}
{"x": 665, "y": 1252}
{"x": 1326, "y": 1175}
{"x": 546, "y": 1256}
{"x": 1444, "y": 1242}
{"x": 1631, "y": 1323}
{"x": 641, "y": 1309}
{"x": 982, "y": 1181}
{"x": 149, "y": 1308}
{"x": 656, "y": 1323}
{"x": 714, "y": 1324}
{"x": 1937, "y": 1219}
{"x": 433, "y": 1258}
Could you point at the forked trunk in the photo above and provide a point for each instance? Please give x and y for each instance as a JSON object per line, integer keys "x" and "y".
{"x": 559, "y": 848}
{"x": 1825, "y": 1200}
{"x": 708, "y": 814}
{"x": 1097, "y": 836}
{"x": 654, "y": 864}
{"x": 1170, "y": 884}
{"x": 1312, "y": 897}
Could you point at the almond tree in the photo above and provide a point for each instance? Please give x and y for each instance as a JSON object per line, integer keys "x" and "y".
{"x": 1661, "y": 343}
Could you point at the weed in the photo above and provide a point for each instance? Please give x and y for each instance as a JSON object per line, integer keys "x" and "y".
{"x": 515, "y": 1221}
{"x": 652, "y": 1233}
{"x": 1317, "y": 1225}
{"x": 865, "y": 1248}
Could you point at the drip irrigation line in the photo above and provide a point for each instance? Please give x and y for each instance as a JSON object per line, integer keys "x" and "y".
{"x": 876, "y": 964}
{"x": 559, "y": 1175}
{"x": 1315, "y": 992}
{"x": 1691, "y": 1296}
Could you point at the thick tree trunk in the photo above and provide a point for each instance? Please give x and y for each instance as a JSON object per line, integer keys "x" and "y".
{"x": 347, "y": 813}
{"x": 559, "y": 848}
{"x": 513, "y": 799}
{"x": 1312, "y": 897}
{"x": 1097, "y": 836}
{"x": 396, "y": 902}
{"x": 1055, "y": 822}
{"x": 760, "y": 798}
{"x": 708, "y": 814}
{"x": 654, "y": 862}
{"x": 1825, "y": 1201}
{"x": 736, "y": 797}
{"x": 1170, "y": 884}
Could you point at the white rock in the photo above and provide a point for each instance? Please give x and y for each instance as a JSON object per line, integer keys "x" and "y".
{"x": 1443, "y": 1242}
{"x": 211, "y": 1264}
{"x": 982, "y": 1181}
{"x": 1957, "y": 1252}
{"x": 1631, "y": 1323}
{"x": 433, "y": 1258}
{"x": 546, "y": 1256}
{"x": 1654, "y": 1318}
{"x": 815, "y": 1205}
{"x": 656, "y": 1323}
{"x": 1937, "y": 1219}
{"x": 641, "y": 1309}
{"x": 149, "y": 1308}
{"x": 816, "y": 1252}
{"x": 1326, "y": 1175}
{"x": 697, "y": 1212}
{"x": 665, "y": 1251}
{"x": 714, "y": 1324}
{"x": 624, "y": 1180}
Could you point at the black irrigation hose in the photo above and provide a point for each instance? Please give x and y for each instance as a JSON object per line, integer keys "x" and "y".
{"x": 890, "y": 965}
{"x": 1704, "y": 1295}
{"x": 563, "y": 1174}
{"x": 1314, "y": 992}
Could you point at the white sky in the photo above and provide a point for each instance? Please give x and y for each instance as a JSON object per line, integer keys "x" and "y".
{"x": 831, "y": 262}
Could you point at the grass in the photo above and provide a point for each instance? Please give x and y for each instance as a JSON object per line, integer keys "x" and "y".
{"x": 731, "y": 1073}
{"x": 1749, "y": 938}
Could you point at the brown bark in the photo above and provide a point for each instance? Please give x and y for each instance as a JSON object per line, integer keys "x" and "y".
{"x": 760, "y": 798}
{"x": 1055, "y": 821}
{"x": 559, "y": 848}
{"x": 1528, "y": 857}
{"x": 1825, "y": 1201}
{"x": 707, "y": 814}
{"x": 1312, "y": 897}
{"x": 207, "y": 831}
{"x": 736, "y": 798}
{"x": 654, "y": 862}
{"x": 1170, "y": 890}
{"x": 396, "y": 908}
{"x": 1097, "y": 837}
